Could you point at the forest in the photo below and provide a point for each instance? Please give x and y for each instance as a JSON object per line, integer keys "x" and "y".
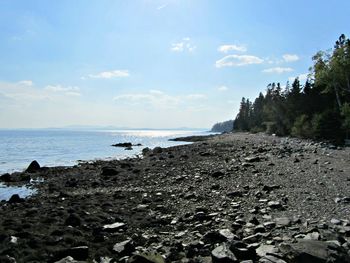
{"x": 318, "y": 109}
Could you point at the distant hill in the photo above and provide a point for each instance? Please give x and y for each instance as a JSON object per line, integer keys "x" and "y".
{"x": 226, "y": 126}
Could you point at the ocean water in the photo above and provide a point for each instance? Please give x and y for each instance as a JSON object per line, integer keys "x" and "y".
{"x": 67, "y": 147}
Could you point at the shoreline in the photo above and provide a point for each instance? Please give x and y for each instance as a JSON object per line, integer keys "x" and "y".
{"x": 236, "y": 193}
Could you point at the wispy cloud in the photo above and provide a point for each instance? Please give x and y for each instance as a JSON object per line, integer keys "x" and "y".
{"x": 222, "y": 88}
{"x": 162, "y": 6}
{"x": 290, "y": 57}
{"x": 68, "y": 90}
{"x": 184, "y": 45}
{"x": 277, "y": 70}
{"x": 158, "y": 99}
{"x": 237, "y": 61}
{"x": 227, "y": 48}
{"x": 26, "y": 83}
{"x": 110, "y": 74}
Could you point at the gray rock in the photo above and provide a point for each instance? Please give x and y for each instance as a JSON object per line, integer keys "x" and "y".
{"x": 124, "y": 248}
{"x": 33, "y": 167}
{"x": 282, "y": 221}
{"x": 312, "y": 251}
{"x": 113, "y": 227}
{"x": 223, "y": 254}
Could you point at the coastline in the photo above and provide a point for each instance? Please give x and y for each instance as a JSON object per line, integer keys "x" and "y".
{"x": 186, "y": 201}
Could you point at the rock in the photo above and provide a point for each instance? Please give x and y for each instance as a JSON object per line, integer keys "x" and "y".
{"x": 77, "y": 253}
{"x": 227, "y": 234}
{"x": 312, "y": 251}
{"x": 149, "y": 257}
{"x": 274, "y": 204}
{"x": 282, "y": 221}
{"x": 15, "y": 199}
{"x": 124, "y": 248}
{"x": 223, "y": 254}
{"x": 263, "y": 250}
{"x": 68, "y": 259}
{"x": 123, "y": 144}
{"x": 107, "y": 171}
{"x": 146, "y": 151}
{"x": 73, "y": 220}
{"x": 253, "y": 238}
{"x": 5, "y": 178}
{"x": 242, "y": 251}
{"x": 235, "y": 194}
{"x": 114, "y": 227}
{"x": 217, "y": 174}
{"x": 252, "y": 159}
{"x": 313, "y": 236}
{"x": 157, "y": 150}
{"x": 33, "y": 167}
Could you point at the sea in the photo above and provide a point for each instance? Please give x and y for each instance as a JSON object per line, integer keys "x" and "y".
{"x": 65, "y": 147}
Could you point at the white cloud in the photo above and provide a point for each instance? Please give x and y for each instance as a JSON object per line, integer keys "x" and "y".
{"x": 26, "y": 83}
{"x": 58, "y": 88}
{"x": 222, "y": 88}
{"x": 158, "y": 99}
{"x": 302, "y": 77}
{"x": 290, "y": 57}
{"x": 184, "y": 45}
{"x": 277, "y": 70}
{"x": 238, "y": 60}
{"x": 110, "y": 74}
{"x": 227, "y": 48}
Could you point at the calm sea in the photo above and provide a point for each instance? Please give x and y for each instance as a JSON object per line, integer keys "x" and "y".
{"x": 67, "y": 147}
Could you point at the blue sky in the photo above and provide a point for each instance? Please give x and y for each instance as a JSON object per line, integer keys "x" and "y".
{"x": 153, "y": 63}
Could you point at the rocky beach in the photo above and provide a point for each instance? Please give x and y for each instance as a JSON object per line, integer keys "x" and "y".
{"x": 235, "y": 197}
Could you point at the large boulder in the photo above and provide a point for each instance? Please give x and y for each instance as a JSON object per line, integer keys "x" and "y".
{"x": 33, "y": 167}
{"x": 314, "y": 251}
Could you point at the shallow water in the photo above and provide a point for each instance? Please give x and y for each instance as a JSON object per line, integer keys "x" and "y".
{"x": 7, "y": 191}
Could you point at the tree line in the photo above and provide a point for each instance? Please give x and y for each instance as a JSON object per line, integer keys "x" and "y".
{"x": 316, "y": 109}
{"x": 225, "y": 126}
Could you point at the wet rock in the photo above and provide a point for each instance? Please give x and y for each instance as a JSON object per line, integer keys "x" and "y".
{"x": 312, "y": 251}
{"x": 223, "y": 254}
{"x": 123, "y": 144}
{"x": 5, "y": 178}
{"x": 15, "y": 199}
{"x": 157, "y": 150}
{"x": 33, "y": 167}
{"x": 227, "y": 234}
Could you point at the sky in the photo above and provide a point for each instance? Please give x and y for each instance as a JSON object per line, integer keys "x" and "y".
{"x": 153, "y": 63}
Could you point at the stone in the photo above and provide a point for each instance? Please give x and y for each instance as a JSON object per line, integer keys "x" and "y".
{"x": 282, "y": 221}
{"x": 149, "y": 257}
{"x": 313, "y": 236}
{"x": 236, "y": 193}
{"x": 313, "y": 251}
{"x": 227, "y": 234}
{"x": 252, "y": 159}
{"x": 263, "y": 250}
{"x": 123, "y": 144}
{"x": 124, "y": 248}
{"x": 274, "y": 204}
{"x": 223, "y": 254}
{"x": 68, "y": 259}
{"x": 217, "y": 174}
{"x": 73, "y": 220}
{"x": 15, "y": 199}
{"x": 33, "y": 167}
{"x": 114, "y": 227}
{"x": 107, "y": 171}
